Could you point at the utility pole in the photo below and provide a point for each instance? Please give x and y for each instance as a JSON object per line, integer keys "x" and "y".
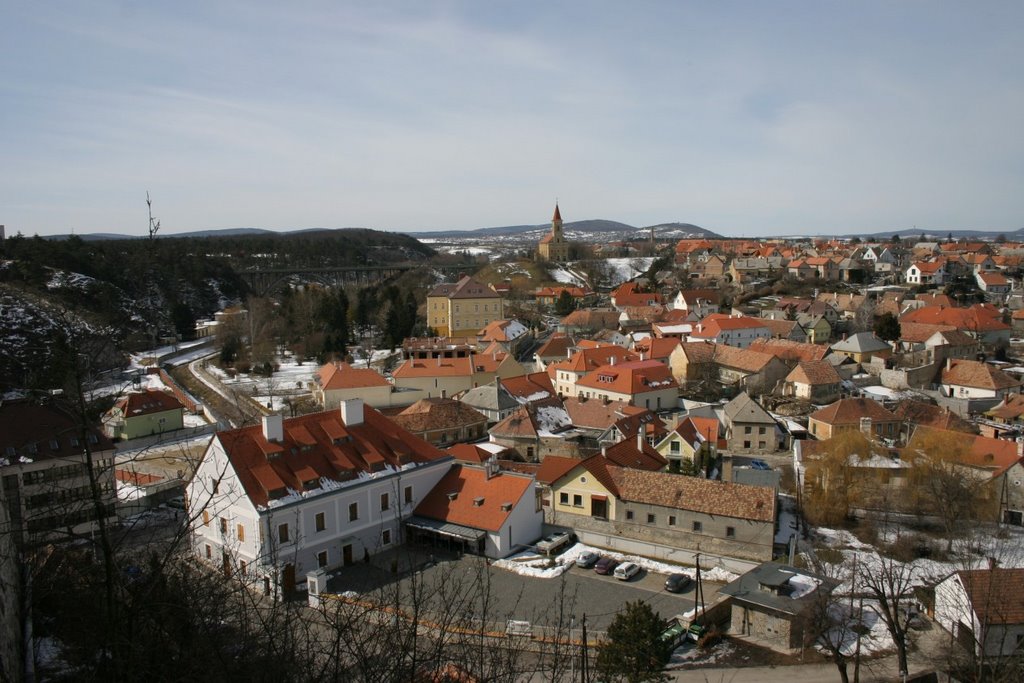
{"x": 586, "y": 660}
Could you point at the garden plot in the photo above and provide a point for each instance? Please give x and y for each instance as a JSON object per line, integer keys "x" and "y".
{"x": 289, "y": 382}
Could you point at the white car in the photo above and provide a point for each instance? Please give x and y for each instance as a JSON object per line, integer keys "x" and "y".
{"x": 626, "y": 571}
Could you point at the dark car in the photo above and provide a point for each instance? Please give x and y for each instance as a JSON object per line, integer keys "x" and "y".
{"x": 760, "y": 465}
{"x": 677, "y": 583}
{"x": 606, "y": 565}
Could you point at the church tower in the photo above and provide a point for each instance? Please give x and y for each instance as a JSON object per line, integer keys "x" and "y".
{"x": 553, "y": 246}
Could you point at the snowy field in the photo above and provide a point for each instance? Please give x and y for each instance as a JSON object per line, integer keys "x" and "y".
{"x": 623, "y": 269}
{"x": 568, "y": 277}
{"x": 289, "y": 381}
{"x": 529, "y": 563}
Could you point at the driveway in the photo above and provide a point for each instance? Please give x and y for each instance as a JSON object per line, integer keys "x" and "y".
{"x": 528, "y": 598}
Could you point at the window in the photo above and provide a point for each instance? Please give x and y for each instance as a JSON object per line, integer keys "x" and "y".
{"x": 651, "y": 518}
{"x": 385, "y": 537}
{"x": 209, "y": 552}
{"x": 384, "y": 501}
{"x": 674, "y": 448}
{"x": 760, "y": 430}
{"x": 760, "y": 444}
{"x": 408, "y": 495}
{"x": 629, "y": 514}
{"x": 353, "y": 512}
{"x": 698, "y": 527}
{"x": 730, "y": 532}
{"x": 321, "y": 559}
{"x": 241, "y": 532}
{"x": 671, "y": 520}
{"x": 746, "y": 430}
{"x": 282, "y": 533}
{"x": 214, "y": 485}
{"x": 206, "y": 518}
{"x": 223, "y": 525}
{"x": 746, "y": 444}
{"x": 321, "y": 521}
{"x": 577, "y": 500}
{"x": 563, "y": 498}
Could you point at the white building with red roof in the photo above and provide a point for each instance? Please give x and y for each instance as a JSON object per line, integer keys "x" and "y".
{"x": 645, "y": 383}
{"x": 275, "y": 501}
{"x": 339, "y": 381}
{"x": 733, "y": 330}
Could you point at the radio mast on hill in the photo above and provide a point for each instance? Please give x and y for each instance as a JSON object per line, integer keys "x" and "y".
{"x": 154, "y": 225}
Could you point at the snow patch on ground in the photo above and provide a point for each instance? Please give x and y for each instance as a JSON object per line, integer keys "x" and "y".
{"x": 689, "y": 653}
{"x": 529, "y": 563}
{"x": 567, "y": 277}
{"x": 289, "y": 381}
{"x": 625, "y": 269}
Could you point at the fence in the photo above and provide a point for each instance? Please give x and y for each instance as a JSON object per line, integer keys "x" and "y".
{"x": 186, "y": 399}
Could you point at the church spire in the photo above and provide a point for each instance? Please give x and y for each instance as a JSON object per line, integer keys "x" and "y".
{"x": 558, "y": 215}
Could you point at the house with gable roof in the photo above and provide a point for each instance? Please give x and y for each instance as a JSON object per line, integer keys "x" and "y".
{"x": 732, "y": 330}
{"x": 815, "y": 381}
{"x": 983, "y": 609}
{"x": 444, "y": 377}
{"x": 442, "y": 421}
{"x": 317, "y": 491}
{"x": 656, "y": 513}
{"x": 849, "y": 414}
{"x": 338, "y": 381}
{"x": 645, "y": 383}
{"x": 973, "y": 379}
{"x": 582, "y": 361}
{"x": 143, "y": 413}
{"x": 536, "y": 431}
{"x": 481, "y": 509}
{"x": 693, "y": 434}
{"x": 862, "y": 347}
{"x": 749, "y": 428}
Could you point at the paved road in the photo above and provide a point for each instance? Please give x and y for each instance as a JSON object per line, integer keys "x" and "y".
{"x": 534, "y": 599}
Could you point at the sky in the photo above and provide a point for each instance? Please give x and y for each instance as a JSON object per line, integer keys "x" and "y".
{"x": 747, "y": 118}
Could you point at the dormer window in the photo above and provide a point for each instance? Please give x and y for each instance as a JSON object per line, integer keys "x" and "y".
{"x": 54, "y": 445}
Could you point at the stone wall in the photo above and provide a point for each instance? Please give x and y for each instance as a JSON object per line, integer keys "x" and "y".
{"x": 753, "y": 541}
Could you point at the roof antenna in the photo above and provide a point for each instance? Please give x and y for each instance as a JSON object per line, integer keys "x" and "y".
{"x": 154, "y": 225}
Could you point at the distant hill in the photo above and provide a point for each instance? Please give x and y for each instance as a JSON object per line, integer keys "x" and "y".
{"x": 592, "y": 226}
{"x": 921, "y": 235}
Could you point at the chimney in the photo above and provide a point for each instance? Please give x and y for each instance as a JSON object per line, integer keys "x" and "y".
{"x": 612, "y": 361}
{"x": 640, "y": 439}
{"x": 949, "y": 363}
{"x": 643, "y": 355}
{"x": 568, "y": 354}
{"x": 352, "y": 412}
{"x": 1020, "y": 447}
{"x": 604, "y": 451}
{"x": 726, "y": 467}
{"x": 273, "y": 427}
{"x": 865, "y": 426}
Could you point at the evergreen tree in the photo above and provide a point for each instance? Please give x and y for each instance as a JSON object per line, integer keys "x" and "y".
{"x": 634, "y": 652}
{"x": 887, "y": 327}
{"x": 565, "y": 303}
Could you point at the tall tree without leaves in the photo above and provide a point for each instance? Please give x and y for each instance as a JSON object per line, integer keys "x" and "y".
{"x": 633, "y": 652}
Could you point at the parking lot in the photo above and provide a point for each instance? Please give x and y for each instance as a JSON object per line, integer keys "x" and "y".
{"x": 528, "y": 598}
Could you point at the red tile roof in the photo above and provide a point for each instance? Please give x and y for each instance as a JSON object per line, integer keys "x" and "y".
{"x": 706, "y": 496}
{"x": 340, "y": 375}
{"x": 478, "y": 501}
{"x": 790, "y": 351}
{"x": 148, "y": 402}
{"x": 997, "y": 595}
{"x": 851, "y": 410}
{"x": 634, "y": 377}
{"x": 972, "y": 373}
{"x": 339, "y": 452}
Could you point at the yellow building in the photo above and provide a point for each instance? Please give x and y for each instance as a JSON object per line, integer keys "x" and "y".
{"x": 463, "y": 308}
{"x": 553, "y": 246}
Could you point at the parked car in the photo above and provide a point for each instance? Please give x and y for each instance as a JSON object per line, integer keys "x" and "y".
{"x": 626, "y": 571}
{"x": 587, "y": 559}
{"x": 177, "y": 503}
{"x": 759, "y": 465}
{"x": 606, "y": 565}
{"x": 677, "y": 583}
